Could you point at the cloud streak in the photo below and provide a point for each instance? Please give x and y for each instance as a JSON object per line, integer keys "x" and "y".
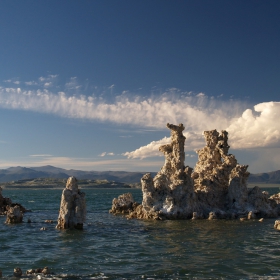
{"x": 155, "y": 111}
{"x": 248, "y": 127}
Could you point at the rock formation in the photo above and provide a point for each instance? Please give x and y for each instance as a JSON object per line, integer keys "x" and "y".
{"x": 216, "y": 188}
{"x": 14, "y": 215}
{"x": 17, "y": 272}
{"x": 277, "y": 224}
{"x": 6, "y": 205}
{"x": 72, "y": 213}
{"x": 123, "y": 204}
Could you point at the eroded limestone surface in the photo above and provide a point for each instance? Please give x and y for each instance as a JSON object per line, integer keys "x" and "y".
{"x": 216, "y": 188}
{"x": 72, "y": 213}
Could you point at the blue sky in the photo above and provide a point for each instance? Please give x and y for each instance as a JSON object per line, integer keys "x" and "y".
{"x": 91, "y": 84}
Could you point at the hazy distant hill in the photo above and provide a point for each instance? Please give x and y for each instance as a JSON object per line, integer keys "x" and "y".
{"x": 48, "y": 171}
{"x": 269, "y": 177}
{"x": 22, "y": 173}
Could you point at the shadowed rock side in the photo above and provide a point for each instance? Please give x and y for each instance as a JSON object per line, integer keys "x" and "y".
{"x": 14, "y": 215}
{"x": 72, "y": 213}
{"x": 123, "y": 204}
{"x": 13, "y": 211}
{"x": 217, "y": 188}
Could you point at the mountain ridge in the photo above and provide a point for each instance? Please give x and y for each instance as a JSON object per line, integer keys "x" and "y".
{"x": 49, "y": 171}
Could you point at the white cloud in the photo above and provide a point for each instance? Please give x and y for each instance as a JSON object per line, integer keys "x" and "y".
{"x": 106, "y": 154}
{"x": 247, "y": 127}
{"x": 258, "y": 128}
{"x": 194, "y": 112}
{"x": 193, "y": 142}
{"x": 48, "y": 78}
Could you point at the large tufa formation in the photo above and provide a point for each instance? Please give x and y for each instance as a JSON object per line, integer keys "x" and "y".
{"x": 72, "y": 213}
{"x": 217, "y": 188}
{"x": 170, "y": 194}
{"x": 221, "y": 183}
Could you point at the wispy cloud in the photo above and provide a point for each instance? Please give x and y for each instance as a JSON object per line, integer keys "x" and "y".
{"x": 193, "y": 142}
{"x": 154, "y": 112}
{"x": 31, "y": 83}
{"x": 106, "y": 154}
{"x": 249, "y": 127}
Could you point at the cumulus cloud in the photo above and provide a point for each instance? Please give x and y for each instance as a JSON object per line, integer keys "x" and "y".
{"x": 254, "y": 128}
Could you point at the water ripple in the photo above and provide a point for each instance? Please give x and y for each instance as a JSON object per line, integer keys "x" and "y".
{"x": 112, "y": 247}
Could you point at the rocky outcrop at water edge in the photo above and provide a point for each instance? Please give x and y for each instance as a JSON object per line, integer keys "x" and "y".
{"x": 14, "y": 215}
{"x": 72, "y": 213}
{"x": 216, "y": 188}
{"x": 13, "y": 211}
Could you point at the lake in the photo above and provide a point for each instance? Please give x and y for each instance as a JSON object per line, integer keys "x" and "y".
{"x": 112, "y": 247}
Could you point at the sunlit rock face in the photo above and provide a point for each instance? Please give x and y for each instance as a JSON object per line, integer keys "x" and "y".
{"x": 215, "y": 171}
{"x": 72, "y": 213}
{"x": 215, "y": 189}
{"x": 277, "y": 224}
{"x": 170, "y": 194}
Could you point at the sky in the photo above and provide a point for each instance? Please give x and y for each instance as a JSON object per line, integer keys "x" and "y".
{"x": 91, "y": 85}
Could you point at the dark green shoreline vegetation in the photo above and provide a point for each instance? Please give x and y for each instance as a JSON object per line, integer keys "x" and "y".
{"x": 52, "y": 183}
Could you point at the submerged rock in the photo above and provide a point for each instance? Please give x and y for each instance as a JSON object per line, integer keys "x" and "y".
{"x": 17, "y": 272}
{"x": 215, "y": 189}
{"x": 33, "y": 271}
{"x": 72, "y": 213}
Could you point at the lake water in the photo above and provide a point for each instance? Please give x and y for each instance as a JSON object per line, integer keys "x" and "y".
{"x": 112, "y": 247}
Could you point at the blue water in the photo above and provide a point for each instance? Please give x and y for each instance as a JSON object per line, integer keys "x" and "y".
{"x": 112, "y": 247}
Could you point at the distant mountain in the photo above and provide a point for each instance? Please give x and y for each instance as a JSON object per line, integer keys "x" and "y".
{"x": 48, "y": 171}
{"x": 269, "y": 177}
